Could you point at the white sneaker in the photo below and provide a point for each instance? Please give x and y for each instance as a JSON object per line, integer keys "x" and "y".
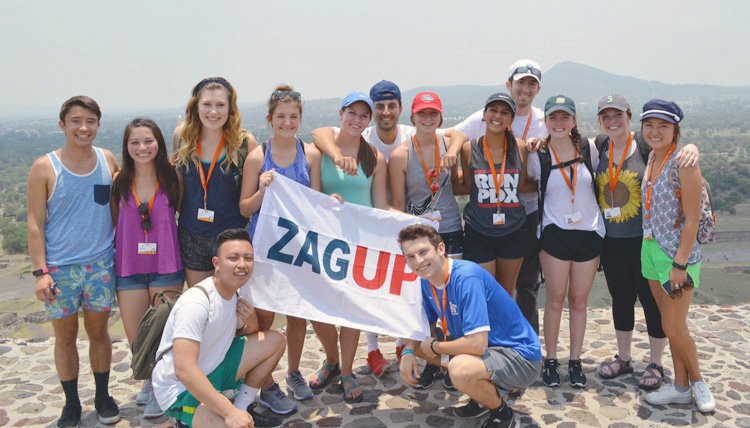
{"x": 703, "y": 398}
{"x": 669, "y": 395}
{"x": 142, "y": 397}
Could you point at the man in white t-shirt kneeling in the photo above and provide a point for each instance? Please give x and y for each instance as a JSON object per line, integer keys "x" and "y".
{"x": 211, "y": 343}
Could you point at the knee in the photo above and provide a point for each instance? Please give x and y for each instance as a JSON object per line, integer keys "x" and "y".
{"x": 673, "y": 330}
{"x": 463, "y": 372}
{"x": 577, "y": 304}
{"x": 555, "y": 303}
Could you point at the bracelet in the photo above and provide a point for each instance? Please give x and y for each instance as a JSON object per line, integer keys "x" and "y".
{"x": 679, "y": 266}
{"x": 433, "y": 349}
{"x": 407, "y": 351}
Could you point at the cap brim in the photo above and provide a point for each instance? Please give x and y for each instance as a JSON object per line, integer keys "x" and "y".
{"x": 620, "y": 108}
{"x": 661, "y": 116}
{"x": 520, "y": 76}
{"x": 512, "y": 108}
{"x": 560, "y": 108}
{"x": 425, "y": 107}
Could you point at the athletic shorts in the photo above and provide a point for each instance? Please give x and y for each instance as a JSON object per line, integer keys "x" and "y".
{"x": 573, "y": 245}
{"x": 144, "y": 281}
{"x": 480, "y": 248}
{"x": 222, "y": 378}
{"x": 510, "y": 371}
{"x": 656, "y": 264}
{"x": 454, "y": 243}
{"x": 91, "y": 287}
{"x": 196, "y": 251}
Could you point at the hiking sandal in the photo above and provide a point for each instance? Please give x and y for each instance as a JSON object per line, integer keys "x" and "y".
{"x": 333, "y": 371}
{"x": 623, "y": 367}
{"x": 352, "y": 386}
{"x": 653, "y": 371}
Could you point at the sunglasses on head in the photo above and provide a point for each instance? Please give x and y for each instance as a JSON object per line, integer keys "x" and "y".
{"x": 528, "y": 69}
{"x": 143, "y": 211}
{"x": 294, "y": 95}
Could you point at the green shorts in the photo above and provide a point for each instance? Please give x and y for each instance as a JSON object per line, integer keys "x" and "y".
{"x": 222, "y": 378}
{"x": 656, "y": 264}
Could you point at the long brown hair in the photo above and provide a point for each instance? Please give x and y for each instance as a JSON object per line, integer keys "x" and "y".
{"x": 165, "y": 172}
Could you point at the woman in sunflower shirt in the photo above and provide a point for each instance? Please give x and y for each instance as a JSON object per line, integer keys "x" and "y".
{"x": 622, "y": 161}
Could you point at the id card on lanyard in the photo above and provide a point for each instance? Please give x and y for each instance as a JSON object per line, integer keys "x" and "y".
{"x": 498, "y": 218}
{"x": 204, "y": 214}
{"x": 443, "y": 320}
{"x": 615, "y": 212}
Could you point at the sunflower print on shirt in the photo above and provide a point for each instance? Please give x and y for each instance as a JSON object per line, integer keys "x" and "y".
{"x": 627, "y": 195}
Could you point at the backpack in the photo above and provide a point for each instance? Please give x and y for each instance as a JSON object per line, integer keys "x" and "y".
{"x": 148, "y": 336}
{"x": 707, "y": 222}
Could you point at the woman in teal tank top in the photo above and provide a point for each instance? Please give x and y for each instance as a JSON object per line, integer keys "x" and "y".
{"x": 367, "y": 188}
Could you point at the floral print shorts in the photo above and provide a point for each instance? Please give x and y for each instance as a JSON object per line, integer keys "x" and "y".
{"x": 91, "y": 287}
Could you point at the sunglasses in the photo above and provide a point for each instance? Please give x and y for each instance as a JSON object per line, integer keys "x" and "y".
{"x": 143, "y": 211}
{"x": 294, "y": 95}
{"x": 528, "y": 69}
{"x": 677, "y": 292}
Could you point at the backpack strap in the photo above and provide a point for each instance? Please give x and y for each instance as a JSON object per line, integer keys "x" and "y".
{"x": 160, "y": 356}
{"x": 545, "y": 163}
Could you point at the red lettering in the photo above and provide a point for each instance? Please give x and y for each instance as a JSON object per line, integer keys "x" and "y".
{"x": 381, "y": 271}
{"x": 399, "y": 276}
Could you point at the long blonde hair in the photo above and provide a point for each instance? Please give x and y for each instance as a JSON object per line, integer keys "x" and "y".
{"x": 191, "y": 131}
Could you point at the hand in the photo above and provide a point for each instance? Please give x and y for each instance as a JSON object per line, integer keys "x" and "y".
{"x": 245, "y": 311}
{"x": 338, "y": 197}
{"x": 346, "y": 163}
{"x": 265, "y": 180}
{"x": 43, "y": 289}
{"x": 239, "y": 419}
{"x": 448, "y": 161}
{"x": 426, "y": 348}
{"x": 677, "y": 277}
{"x": 688, "y": 156}
{"x": 533, "y": 144}
{"x": 409, "y": 369}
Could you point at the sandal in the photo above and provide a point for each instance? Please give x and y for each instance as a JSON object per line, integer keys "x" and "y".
{"x": 352, "y": 386}
{"x": 623, "y": 367}
{"x": 323, "y": 379}
{"x": 653, "y": 371}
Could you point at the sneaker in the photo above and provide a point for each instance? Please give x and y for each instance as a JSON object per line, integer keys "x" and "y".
{"x": 261, "y": 420}
{"x": 71, "y": 416}
{"x": 297, "y": 387}
{"x": 428, "y": 376}
{"x": 703, "y": 398}
{"x": 471, "y": 410}
{"x": 275, "y": 399}
{"x": 398, "y": 352}
{"x": 576, "y": 377}
{"x": 107, "y": 410}
{"x": 152, "y": 409}
{"x": 494, "y": 421}
{"x": 377, "y": 363}
{"x": 550, "y": 376}
{"x": 142, "y": 397}
{"x": 447, "y": 382}
{"x": 669, "y": 395}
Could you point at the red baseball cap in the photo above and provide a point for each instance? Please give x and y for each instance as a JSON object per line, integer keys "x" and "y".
{"x": 425, "y": 100}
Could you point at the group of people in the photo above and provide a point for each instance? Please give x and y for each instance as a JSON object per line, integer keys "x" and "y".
{"x": 540, "y": 197}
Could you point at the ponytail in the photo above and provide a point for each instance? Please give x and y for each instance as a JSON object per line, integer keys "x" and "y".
{"x": 366, "y": 157}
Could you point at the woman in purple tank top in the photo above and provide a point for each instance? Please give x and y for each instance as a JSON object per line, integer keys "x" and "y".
{"x": 145, "y": 195}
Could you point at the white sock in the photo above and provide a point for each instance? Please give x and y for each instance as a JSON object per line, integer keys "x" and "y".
{"x": 372, "y": 341}
{"x": 245, "y": 397}
{"x": 401, "y": 341}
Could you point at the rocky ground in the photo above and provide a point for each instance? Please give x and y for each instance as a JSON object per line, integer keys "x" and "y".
{"x": 30, "y": 394}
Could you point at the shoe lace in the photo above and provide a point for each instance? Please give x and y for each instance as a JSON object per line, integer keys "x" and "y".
{"x": 297, "y": 380}
{"x": 276, "y": 391}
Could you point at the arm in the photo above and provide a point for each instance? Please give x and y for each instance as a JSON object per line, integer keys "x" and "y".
{"x": 253, "y": 183}
{"x": 409, "y": 367}
{"x": 37, "y": 192}
{"x": 473, "y": 344}
{"x": 114, "y": 205}
{"x": 313, "y": 160}
{"x": 379, "y": 177}
{"x": 463, "y": 186}
{"x": 455, "y": 140}
{"x": 527, "y": 184}
{"x": 114, "y": 166}
{"x": 325, "y": 140}
{"x": 688, "y": 156}
{"x": 397, "y": 176}
{"x": 691, "y": 183}
{"x": 181, "y": 188}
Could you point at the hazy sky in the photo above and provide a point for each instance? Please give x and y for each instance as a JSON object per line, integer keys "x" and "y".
{"x": 149, "y": 54}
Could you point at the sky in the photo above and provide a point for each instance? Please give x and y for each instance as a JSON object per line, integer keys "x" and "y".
{"x": 140, "y": 54}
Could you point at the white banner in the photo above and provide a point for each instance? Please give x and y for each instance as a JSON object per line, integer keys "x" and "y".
{"x": 341, "y": 264}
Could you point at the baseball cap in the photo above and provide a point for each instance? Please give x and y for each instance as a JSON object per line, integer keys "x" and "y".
{"x": 665, "y": 110}
{"x": 354, "y": 97}
{"x": 501, "y": 97}
{"x": 559, "y": 102}
{"x": 523, "y": 68}
{"x": 425, "y": 100}
{"x": 385, "y": 90}
{"x": 615, "y": 101}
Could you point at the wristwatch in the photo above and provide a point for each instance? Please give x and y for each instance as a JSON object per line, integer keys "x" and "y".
{"x": 679, "y": 266}
{"x": 39, "y": 272}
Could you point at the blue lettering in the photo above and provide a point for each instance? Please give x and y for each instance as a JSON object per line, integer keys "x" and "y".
{"x": 274, "y": 253}
{"x": 343, "y": 264}
{"x": 309, "y": 252}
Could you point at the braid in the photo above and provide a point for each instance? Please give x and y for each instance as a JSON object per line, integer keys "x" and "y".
{"x": 577, "y": 142}
{"x": 545, "y": 143}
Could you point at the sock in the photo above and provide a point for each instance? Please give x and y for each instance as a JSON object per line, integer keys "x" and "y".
{"x": 401, "y": 341}
{"x": 680, "y": 388}
{"x": 245, "y": 397}
{"x": 70, "y": 387}
{"x": 102, "y": 385}
{"x": 504, "y": 412}
{"x": 372, "y": 341}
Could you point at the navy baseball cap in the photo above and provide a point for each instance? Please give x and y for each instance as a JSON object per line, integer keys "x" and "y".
{"x": 501, "y": 97}
{"x": 385, "y": 90}
{"x": 662, "y": 109}
{"x": 354, "y": 97}
{"x": 559, "y": 102}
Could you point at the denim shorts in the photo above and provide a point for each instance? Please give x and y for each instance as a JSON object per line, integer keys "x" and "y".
{"x": 144, "y": 281}
{"x": 91, "y": 287}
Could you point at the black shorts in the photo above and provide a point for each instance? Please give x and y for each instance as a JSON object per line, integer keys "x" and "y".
{"x": 196, "y": 251}
{"x": 481, "y": 248}
{"x": 454, "y": 243}
{"x": 574, "y": 245}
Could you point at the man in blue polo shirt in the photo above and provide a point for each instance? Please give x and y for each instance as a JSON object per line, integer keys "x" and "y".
{"x": 493, "y": 352}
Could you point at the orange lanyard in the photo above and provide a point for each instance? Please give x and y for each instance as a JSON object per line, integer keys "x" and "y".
{"x": 150, "y": 203}
{"x": 613, "y": 180}
{"x": 204, "y": 179}
{"x": 444, "y": 322}
{"x": 571, "y": 186}
{"x": 528, "y": 124}
{"x": 498, "y": 184}
{"x": 652, "y": 179}
{"x": 432, "y": 174}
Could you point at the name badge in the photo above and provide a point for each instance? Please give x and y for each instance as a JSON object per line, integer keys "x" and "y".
{"x": 498, "y": 219}
{"x": 647, "y": 235}
{"x": 147, "y": 248}
{"x": 444, "y": 359}
{"x": 612, "y": 213}
{"x": 434, "y": 215}
{"x": 205, "y": 215}
{"x": 574, "y": 218}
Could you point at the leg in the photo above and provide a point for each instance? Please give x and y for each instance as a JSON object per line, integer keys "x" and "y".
{"x": 557, "y": 273}
{"x": 489, "y": 267}
{"x": 617, "y": 261}
{"x": 470, "y": 376}
{"x": 349, "y": 342}
{"x": 328, "y": 337}
{"x": 507, "y": 273}
{"x": 66, "y": 352}
{"x": 296, "y": 328}
{"x": 100, "y": 348}
{"x": 581, "y": 279}
{"x": 133, "y": 304}
{"x": 527, "y": 284}
{"x": 261, "y": 354}
{"x": 193, "y": 277}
